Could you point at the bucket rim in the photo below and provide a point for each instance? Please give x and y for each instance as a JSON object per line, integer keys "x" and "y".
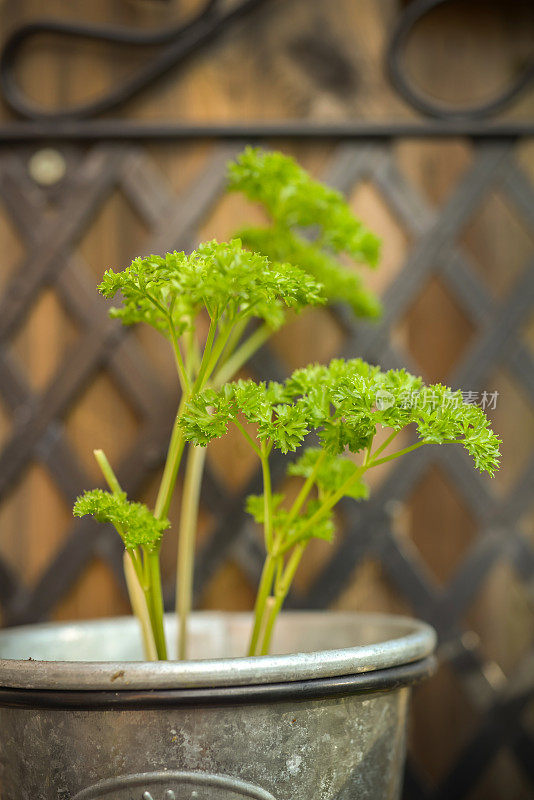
{"x": 404, "y": 642}
{"x": 380, "y": 680}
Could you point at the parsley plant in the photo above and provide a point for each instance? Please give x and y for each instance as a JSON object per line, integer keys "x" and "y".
{"x": 311, "y": 225}
{"x": 344, "y": 403}
{"x": 242, "y": 289}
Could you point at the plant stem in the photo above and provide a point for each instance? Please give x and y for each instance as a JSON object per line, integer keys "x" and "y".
{"x": 332, "y": 499}
{"x": 281, "y": 594}
{"x": 139, "y": 606}
{"x": 196, "y": 457}
{"x": 268, "y": 606}
{"x": 154, "y": 597}
{"x": 182, "y": 371}
{"x": 305, "y": 490}
{"x": 385, "y": 443}
{"x": 234, "y": 338}
{"x": 137, "y": 593}
{"x": 236, "y": 360}
{"x": 206, "y": 355}
{"x": 172, "y": 465}
{"x": 213, "y": 350}
{"x": 192, "y": 353}
{"x": 267, "y": 498}
{"x": 218, "y": 348}
{"x": 248, "y": 438}
{"x": 375, "y": 463}
{"x": 264, "y": 590}
{"x": 107, "y": 472}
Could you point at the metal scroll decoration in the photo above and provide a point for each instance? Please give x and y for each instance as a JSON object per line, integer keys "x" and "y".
{"x": 406, "y": 26}
{"x": 175, "y": 45}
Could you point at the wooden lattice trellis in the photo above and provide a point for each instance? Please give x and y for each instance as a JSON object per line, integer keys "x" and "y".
{"x": 38, "y": 431}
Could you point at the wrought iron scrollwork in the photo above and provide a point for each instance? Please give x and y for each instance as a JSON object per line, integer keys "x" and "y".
{"x": 179, "y": 42}
{"x": 406, "y": 25}
{"x": 175, "y": 46}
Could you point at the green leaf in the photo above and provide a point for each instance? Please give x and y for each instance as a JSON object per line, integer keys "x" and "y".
{"x": 293, "y": 531}
{"x": 333, "y": 473}
{"x": 255, "y": 506}
{"x": 207, "y": 415}
{"x": 134, "y": 522}
{"x": 340, "y": 284}
{"x": 170, "y": 291}
{"x": 345, "y": 402}
{"x": 293, "y": 199}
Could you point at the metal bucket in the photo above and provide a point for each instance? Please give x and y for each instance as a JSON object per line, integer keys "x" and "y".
{"x": 322, "y": 719}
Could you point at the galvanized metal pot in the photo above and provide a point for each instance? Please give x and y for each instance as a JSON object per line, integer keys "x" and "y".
{"x": 82, "y": 717}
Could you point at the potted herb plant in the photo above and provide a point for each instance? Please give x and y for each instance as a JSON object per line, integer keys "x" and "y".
{"x": 290, "y": 706}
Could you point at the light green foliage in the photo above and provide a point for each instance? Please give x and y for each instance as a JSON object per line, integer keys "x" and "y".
{"x": 296, "y": 262}
{"x": 311, "y": 225}
{"x": 340, "y": 284}
{"x": 293, "y": 528}
{"x": 207, "y": 415}
{"x": 345, "y": 401}
{"x": 134, "y": 521}
{"x": 333, "y": 473}
{"x": 224, "y": 278}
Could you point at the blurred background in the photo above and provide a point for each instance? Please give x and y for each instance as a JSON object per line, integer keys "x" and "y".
{"x": 432, "y": 161}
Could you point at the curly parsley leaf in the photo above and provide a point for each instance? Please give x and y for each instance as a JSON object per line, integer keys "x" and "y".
{"x": 223, "y": 277}
{"x": 134, "y": 522}
{"x": 311, "y": 225}
{"x": 294, "y": 199}
{"x": 297, "y": 529}
{"x": 340, "y": 284}
{"x": 332, "y": 474}
{"x": 255, "y": 506}
{"x": 207, "y": 415}
{"x": 344, "y": 402}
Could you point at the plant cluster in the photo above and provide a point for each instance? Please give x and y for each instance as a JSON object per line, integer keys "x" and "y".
{"x": 341, "y": 403}
{"x": 310, "y": 225}
{"x": 241, "y": 291}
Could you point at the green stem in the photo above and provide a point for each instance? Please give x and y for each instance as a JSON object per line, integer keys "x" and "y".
{"x": 180, "y": 366}
{"x": 136, "y": 582}
{"x": 248, "y": 438}
{"x": 107, "y": 472}
{"x": 374, "y": 462}
{"x": 139, "y": 605}
{"x": 137, "y": 563}
{"x": 196, "y": 459}
{"x": 172, "y": 465}
{"x": 236, "y": 360}
{"x": 218, "y": 348}
{"x": 264, "y": 590}
{"x": 154, "y": 597}
{"x": 193, "y": 354}
{"x": 281, "y": 594}
{"x": 385, "y": 443}
{"x": 264, "y": 622}
{"x": 234, "y": 338}
{"x": 332, "y": 499}
{"x": 186, "y": 542}
{"x": 267, "y": 498}
{"x": 367, "y": 455}
{"x": 305, "y": 490}
{"x": 206, "y": 356}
